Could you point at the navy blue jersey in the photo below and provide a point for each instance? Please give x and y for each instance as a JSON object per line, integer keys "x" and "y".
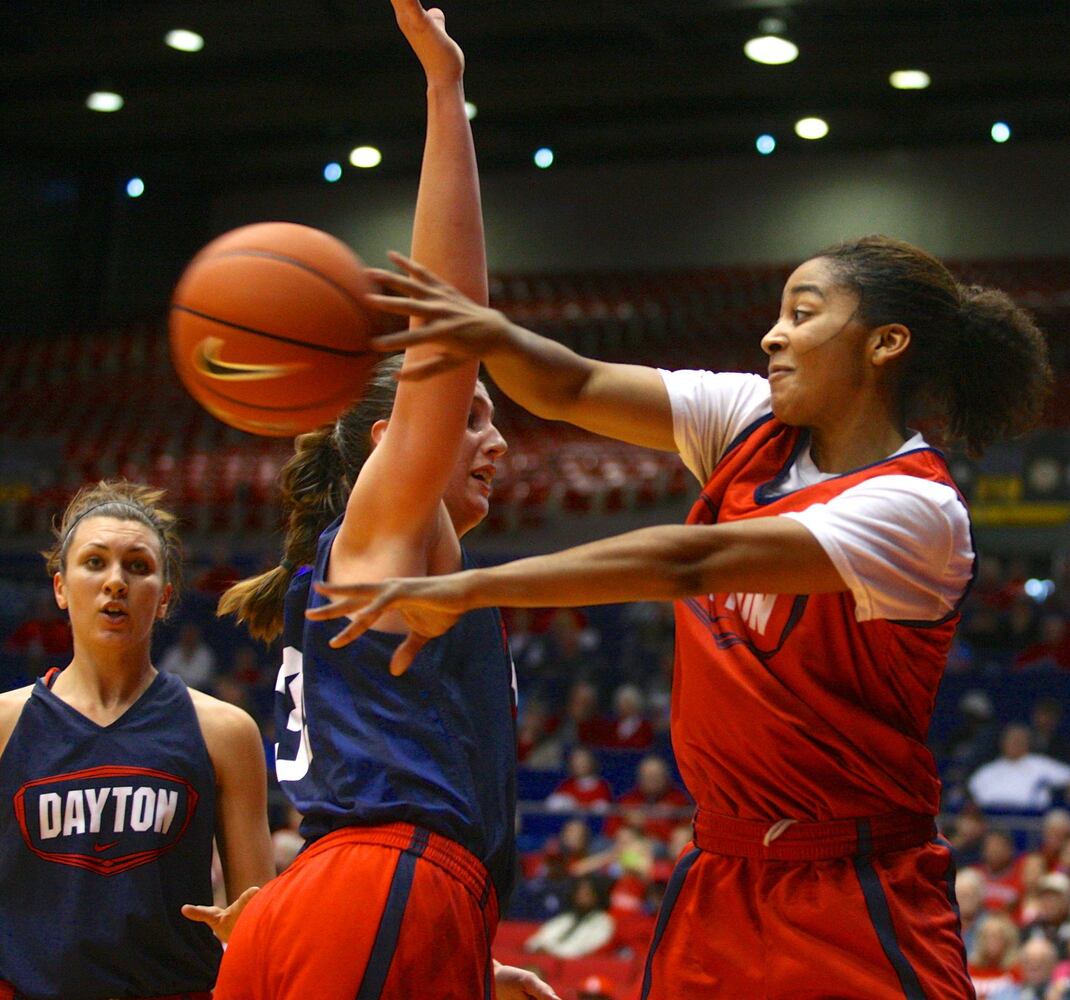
{"x": 435, "y": 747}
{"x": 105, "y": 831}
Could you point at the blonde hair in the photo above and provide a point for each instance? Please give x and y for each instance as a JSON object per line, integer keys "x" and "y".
{"x": 126, "y": 501}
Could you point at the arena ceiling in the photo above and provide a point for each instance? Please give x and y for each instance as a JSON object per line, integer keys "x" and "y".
{"x": 283, "y": 86}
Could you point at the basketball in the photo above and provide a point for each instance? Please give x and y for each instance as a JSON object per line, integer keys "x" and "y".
{"x": 268, "y": 330}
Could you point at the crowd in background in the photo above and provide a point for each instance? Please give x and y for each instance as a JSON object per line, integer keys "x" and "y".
{"x": 603, "y": 815}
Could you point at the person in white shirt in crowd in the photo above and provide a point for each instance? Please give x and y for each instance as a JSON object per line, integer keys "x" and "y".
{"x": 1018, "y": 779}
{"x": 190, "y": 658}
{"x": 970, "y": 895}
{"x": 584, "y": 928}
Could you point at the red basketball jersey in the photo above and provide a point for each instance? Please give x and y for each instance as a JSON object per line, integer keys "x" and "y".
{"x": 785, "y": 705}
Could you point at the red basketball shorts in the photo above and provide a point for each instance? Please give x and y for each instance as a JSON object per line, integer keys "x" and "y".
{"x": 846, "y": 910}
{"x": 367, "y": 913}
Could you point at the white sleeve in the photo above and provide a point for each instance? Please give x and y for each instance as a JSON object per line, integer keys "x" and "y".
{"x": 902, "y": 545}
{"x": 708, "y": 410}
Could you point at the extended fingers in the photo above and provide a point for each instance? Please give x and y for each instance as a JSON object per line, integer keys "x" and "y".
{"x": 407, "y": 652}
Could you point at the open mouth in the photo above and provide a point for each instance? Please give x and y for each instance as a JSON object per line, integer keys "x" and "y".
{"x": 114, "y": 612}
{"x": 484, "y": 475}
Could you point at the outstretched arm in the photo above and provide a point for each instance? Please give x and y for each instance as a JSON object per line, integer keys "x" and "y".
{"x": 396, "y": 499}
{"x": 765, "y": 555}
{"x": 627, "y": 402}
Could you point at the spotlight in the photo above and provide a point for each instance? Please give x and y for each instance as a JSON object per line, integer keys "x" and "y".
{"x": 184, "y": 41}
{"x": 135, "y": 187}
{"x": 909, "y": 79}
{"x": 765, "y": 144}
{"x": 770, "y": 50}
{"x": 332, "y": 172}
{"x": 1000, "y": 132}
{"x": 811, "y": 128}
{"x": 103, "y": 100}
{"x": 543, "y": 157}
{"x": 365, "y": 157}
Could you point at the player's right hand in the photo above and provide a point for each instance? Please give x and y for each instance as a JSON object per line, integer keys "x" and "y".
{"x": 221, "y": 921}
{"x": 460, "y": 328}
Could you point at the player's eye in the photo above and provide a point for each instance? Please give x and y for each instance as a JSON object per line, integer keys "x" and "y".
{"x": 93, "y": 562}
{"x": 799, "y": 315}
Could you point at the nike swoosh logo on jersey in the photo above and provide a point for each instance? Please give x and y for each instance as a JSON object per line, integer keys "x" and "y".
{"x": 100, "y": 848}
{"x": 206, "y": 359}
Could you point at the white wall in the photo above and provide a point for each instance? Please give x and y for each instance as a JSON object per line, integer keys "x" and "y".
{"x": 970, "y": 201}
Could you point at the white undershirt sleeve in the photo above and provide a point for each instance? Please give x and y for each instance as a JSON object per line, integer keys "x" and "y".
{"x": 902, "y": 545}
{"x": 709, "y": 409}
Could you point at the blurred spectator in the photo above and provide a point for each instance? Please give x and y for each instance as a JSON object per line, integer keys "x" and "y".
{"x": 1003, "y": 887}
{"x": 1031, "y": 870}
{"x": 190, "y": 658}
{"x": 1046, "y": 733}
{"x": 597, "y": 988}
{"x": 584, "y": 788}
{"x": 544, "y": 893}
{"x": 575, "y": 843}
{"x": 583, "y": 929}
{"x": 628, "y": 729}
{"x": 1018, "y": 779}
{"x": 286, "y": 845}
{"x": 970, "y": 896}
{"x": 219, "y": 575}
{"x": 570, "y": 652}
{"x": 1051, "y": 651}
{"x": 1036, "y": 966}
{"x": 45, "y": 636}
{"x": 1054, "y": 838}
{"x": 229, "y": 689}
{"x": 535, "y": 746}
{"x": 973, "y": 740}
{"x": 581, "y": 722}
{"x": 992, "y": 957}
{"x": 659, "y": 799}
{"x": 1052, "y": 912}
{"x": 967, "y": 834}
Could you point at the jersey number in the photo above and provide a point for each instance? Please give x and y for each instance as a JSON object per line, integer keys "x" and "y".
{"x": 293, "y": 752}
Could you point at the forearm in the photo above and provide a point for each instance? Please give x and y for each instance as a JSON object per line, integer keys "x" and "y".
{"x": 764, "y": 555}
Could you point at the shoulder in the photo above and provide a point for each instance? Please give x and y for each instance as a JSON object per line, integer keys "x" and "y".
{"x": 695, "y": 385}
{"x": 11, "y": 705}
{"x": 230, "y": 733}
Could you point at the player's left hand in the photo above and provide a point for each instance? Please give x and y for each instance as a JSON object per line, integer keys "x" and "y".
{"x": 430, "y": 606}
{"x": 221, "y": 921}
{"x": 511, "y": 983}
{"x": 440, "y": 56}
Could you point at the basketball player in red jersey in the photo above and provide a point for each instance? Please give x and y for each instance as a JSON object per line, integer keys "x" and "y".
{"x": 115, "y": 779}
{"x": 817, "y": 585}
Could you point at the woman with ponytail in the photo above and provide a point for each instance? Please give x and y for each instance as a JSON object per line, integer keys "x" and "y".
{"x": 818, "y": 583}
{"x": 406, "y": 785}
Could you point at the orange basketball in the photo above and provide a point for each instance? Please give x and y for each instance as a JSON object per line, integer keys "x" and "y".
{"x": 268, "y": 331}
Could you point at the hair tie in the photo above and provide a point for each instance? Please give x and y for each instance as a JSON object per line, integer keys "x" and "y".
{"x": 287, "y": 564}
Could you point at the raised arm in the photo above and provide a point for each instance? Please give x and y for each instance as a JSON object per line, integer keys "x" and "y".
{"x": 397, "y": 495}
{"x": 626, "y": 402}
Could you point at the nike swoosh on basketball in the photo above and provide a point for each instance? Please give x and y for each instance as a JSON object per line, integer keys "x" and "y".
{"x": 207, "y": 360}
{"x": 100, "y": 848}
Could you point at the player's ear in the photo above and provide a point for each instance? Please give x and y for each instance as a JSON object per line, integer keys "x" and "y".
{"x": 60, "y": 590}
{"x": 165, "y": 602}
{"x": 378, "y": 430}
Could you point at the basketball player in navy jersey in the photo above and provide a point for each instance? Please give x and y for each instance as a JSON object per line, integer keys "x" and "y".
{"x": 114, "y": 779}
{"x": 407, "y": 788}
{"x": 817, "y": 586}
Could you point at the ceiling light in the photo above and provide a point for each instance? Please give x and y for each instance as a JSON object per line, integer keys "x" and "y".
{"x": 135, "y": 187}
{"x": 184, "y": 40}
{"x": 909, "y": 79}
{"x": 1001, "y": 132}
{"x": 332, "y": 172}
{"x": 771, "y": 50}
{"x": 365, "y": 157}
{"x": 765, "y": 144}
{"x": 103, "y": 100}
{"x": 470, "y": 110}
{"x": 543, "y": 157}
{"x": 811, "y": 128}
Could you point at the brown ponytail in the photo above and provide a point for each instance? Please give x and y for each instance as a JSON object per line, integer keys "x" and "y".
{"x": 315, "y": 485}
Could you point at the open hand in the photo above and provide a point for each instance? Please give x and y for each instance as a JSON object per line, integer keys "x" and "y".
{"x": 429, "y": 605}
{"x": 461, "y": 328}
{"x": 511, "y": 983}
{"x": 221, "y": 921}
{"x": 425, "y": 30}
